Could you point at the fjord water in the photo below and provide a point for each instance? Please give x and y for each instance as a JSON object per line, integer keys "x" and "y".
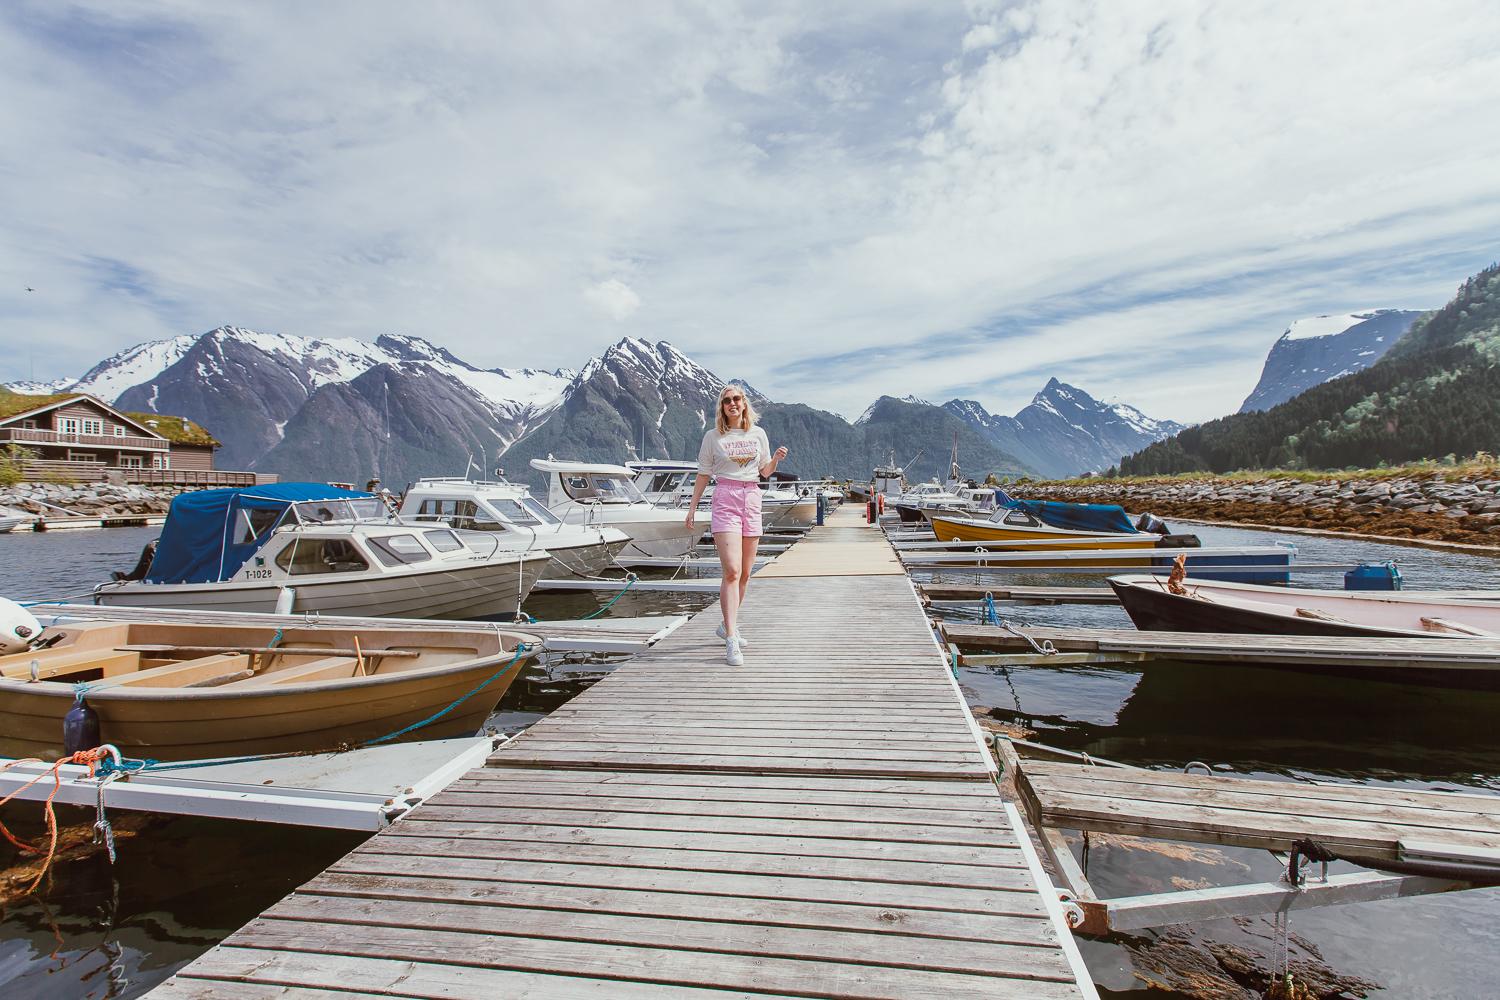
{"x": 182, "y": 884}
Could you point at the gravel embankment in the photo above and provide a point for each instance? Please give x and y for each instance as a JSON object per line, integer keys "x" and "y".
{"x": 1427, "y": 508}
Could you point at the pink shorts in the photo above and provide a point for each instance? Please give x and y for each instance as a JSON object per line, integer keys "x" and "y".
{"x": 736, "y": 508}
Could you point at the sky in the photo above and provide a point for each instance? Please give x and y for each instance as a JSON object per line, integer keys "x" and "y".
{"x": 831, "y": 200}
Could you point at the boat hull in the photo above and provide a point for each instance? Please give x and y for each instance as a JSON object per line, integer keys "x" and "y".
{"x": 958, "y": 530}
{"x": 475, "y": 590}
{"x": 186, "y": 723}
{"x": 1161, "y": 611}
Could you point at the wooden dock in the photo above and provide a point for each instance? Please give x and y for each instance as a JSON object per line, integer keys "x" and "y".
{"x": 820, "y": 822}
{"x": 1410, "y": 842}
{"x": 1019, "y": 595}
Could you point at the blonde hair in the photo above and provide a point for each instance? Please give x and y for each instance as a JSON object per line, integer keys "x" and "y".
{"x": 747, "y": 412}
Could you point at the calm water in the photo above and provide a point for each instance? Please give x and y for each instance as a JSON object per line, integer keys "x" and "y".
{"x": 183, "y": 884}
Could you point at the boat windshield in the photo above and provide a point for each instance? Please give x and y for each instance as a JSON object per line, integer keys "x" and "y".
{"x": 324, "y": 511}
{"x": 600, "y": 487}
{"x": 539, "y": 512}
{"x": 512, "y": 511}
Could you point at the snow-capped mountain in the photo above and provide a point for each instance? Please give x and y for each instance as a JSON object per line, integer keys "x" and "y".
{"x": 247, "y": 386}
{"x": 29, "y": 388}
{"x": 1064, "y": 431}
{"x": 1314, "y": 350}
{"x": 652, "y": 401}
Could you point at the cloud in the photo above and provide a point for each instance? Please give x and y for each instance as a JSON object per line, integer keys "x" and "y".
{"x": 613, "y": 298}
{"x": 981, "y": 196}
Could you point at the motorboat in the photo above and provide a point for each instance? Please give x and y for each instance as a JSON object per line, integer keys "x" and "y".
{"x": 605, "y": 495}
{"x": 1192, "y": 605}
{"x": 180, "y": 692}
{"x": 912, "y": 504}
{"x": 519, "y": 520}
{"x": 1064, "y": 525}
{"x": 11, "y": 523}
{"x": 315, "y": 548}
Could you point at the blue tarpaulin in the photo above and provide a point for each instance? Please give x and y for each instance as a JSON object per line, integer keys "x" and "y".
{"x": 198, "y": 542}
{"x": 1104, "y": 518}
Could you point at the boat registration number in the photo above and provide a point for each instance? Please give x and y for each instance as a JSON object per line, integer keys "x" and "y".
{"x": 258, "y": 574}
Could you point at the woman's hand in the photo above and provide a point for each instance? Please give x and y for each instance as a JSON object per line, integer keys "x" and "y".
{"x": 688, "y": 521}
{"x": 780, "y": 454}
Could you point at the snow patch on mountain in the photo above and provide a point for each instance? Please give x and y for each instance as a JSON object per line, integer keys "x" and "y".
{"x": 132, "y": 366}
{"x": 27, "y": 387}
{"x": 1324, "y": 326}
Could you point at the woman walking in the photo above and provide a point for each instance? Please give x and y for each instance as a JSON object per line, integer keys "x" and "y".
{"x": 736, "y": 454}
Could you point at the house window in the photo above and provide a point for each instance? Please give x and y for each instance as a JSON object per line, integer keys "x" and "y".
{"x": 29, "y": 425}
{"x": 68, "y": 425}
{"x": 161, "y": 461}
{"x": 130, "y": 461}
{"x": 82, "y": 456}
{"x": 119, "y": 430}
{"x": 93, "y": 427}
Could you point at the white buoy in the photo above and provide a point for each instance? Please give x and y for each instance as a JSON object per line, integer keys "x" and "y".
{"x": 285, "y": 599}
{"x": 17, "y": 627}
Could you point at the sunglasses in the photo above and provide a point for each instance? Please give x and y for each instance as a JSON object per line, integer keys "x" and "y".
{"x": 733, "y": 399}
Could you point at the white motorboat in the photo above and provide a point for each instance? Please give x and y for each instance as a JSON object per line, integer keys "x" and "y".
{"x": 309, "y": 547}
{"x": 604, "y": 495}
{"x": 518, "y": 520}
{"x": 9, "y": 523}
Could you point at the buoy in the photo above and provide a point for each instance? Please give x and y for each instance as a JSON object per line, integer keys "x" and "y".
{"x": 17, "y": 628}
{"x": 80, "y": 727}
{"x": 285, "y": 599}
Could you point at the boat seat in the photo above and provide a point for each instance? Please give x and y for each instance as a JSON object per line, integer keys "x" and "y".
{"x": 108, "y": 661}
{"x": 1449, "y": 625}
{"x": 181, "y": 672}
{"x": 1321, "y": 616}
{"x": 326, "y": 669}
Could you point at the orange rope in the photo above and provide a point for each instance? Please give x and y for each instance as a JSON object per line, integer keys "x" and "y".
{"x": 89, "y": 758}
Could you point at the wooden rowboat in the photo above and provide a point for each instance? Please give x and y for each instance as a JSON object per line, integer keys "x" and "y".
{"x": 180, "y": 692}
{"x": 1205, "y": 606}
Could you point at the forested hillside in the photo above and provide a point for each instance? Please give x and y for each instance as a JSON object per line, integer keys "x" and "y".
{"x": 1436, "y": 393}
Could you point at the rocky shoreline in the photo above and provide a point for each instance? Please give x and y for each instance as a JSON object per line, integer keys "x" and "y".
{"x": 1423, "y": 508}
{"x": 52, "y": 500}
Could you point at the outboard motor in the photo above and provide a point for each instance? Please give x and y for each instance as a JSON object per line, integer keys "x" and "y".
{"x": 142, "y": 566}
{"x": 1152, "y": 524}
{"x": 18, "y": 627}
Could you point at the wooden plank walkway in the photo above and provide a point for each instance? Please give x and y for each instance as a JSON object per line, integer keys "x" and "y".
{"x": 1375, "y": 823}
{"x": 820, "y": 822}
{"x": 1020, "y": 595}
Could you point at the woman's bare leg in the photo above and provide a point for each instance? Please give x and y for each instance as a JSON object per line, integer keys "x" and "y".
{"x": 747, "y": 564}
{"x": 731, "y": 584}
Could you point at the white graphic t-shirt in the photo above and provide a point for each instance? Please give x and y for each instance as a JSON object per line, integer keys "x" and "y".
{"x": 735, "y": 454}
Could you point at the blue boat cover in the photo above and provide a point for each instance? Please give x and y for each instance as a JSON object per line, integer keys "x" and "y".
{"x": 1105, "y": 518}
{"x": 197, "y": 542}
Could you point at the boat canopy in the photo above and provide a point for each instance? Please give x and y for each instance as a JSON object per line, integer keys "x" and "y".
{"x": 210, "y": 533}
{"x": 1100, "y": 517}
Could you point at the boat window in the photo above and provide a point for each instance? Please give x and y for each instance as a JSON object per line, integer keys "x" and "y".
{"x": 615, "y": 490}
{"x": 1020, "y": 517}
{"x": 368, "y": 510}
{"x": 399, "y": 550}
{"x": 512, "y": 511}
{"x": 666, "y": 482}
{"x": 578, "y": 487}
{"x": 321, "y": 555}
{"x": 254, "y": 523}
{"x": 443, "y": 541}
{"x": 322, "y": 511}
{"x": 541, "y": 513}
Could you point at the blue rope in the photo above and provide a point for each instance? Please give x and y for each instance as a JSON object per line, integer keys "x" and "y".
{"x": 133, "y": 765}
{"x": 991, "y": 615}
{"x": 629, "y": 582}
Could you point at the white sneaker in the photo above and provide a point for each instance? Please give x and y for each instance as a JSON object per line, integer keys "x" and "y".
{"x": 724, "y": 635}
{"x": 732, "y": 654}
